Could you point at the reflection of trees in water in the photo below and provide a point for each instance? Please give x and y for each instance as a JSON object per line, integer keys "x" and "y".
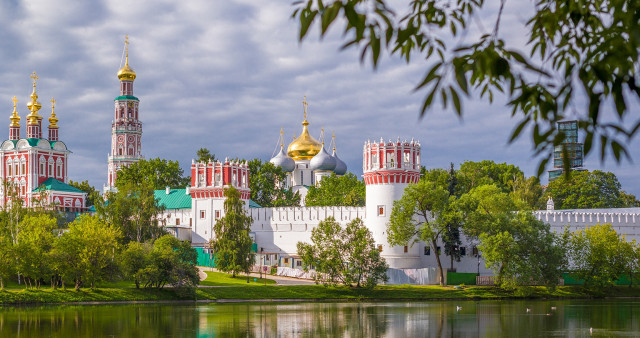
{"x": 148, "y": 320}
{"x": 397, "y": 319}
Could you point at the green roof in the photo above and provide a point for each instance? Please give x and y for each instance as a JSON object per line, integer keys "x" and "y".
{"x": 253, "y": 204}
{"x": 33, "y": 141}
{"x": 176, "y": 199}
{"x": 55, "y": 185}
{"x": 126, "y": 97}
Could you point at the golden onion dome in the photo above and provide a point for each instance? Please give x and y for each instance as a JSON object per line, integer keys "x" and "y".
{"x": 15, "y": 119}
{"x": 126, "y": 72}
{"x": 53, "y": 120}
{"x": 305, "y": 147}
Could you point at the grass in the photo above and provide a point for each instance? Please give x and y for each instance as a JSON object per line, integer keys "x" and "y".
{"x": 237, "y": 288}
{"x": 224, "y": 279}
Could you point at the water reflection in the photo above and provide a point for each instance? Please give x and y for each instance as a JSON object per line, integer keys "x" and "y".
{"x": 569, "y": 318}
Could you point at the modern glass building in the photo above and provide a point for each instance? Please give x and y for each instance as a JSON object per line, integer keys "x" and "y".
{"x": 571, "y": 147}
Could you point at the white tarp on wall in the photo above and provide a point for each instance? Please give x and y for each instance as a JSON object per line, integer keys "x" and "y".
{"x": 424, "y": 276}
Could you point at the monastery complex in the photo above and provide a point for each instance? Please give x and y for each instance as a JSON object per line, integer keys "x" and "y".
{"x": 35, "y": 168}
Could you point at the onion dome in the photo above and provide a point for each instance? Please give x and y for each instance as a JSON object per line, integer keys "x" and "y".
{"x": 34, "y": 105}
{"x": 53, "y": 120}
{"x": 322, "y": 161}
{"x": 126, "y": 72}
{"x": 305, "y": 147}
{"x": 282, "y": 160}
{"x": 15, "y": 119}
{"x": 341, "y": 167}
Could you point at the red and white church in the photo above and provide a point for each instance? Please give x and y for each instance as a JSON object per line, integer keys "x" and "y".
{"x": 34, "y": 168}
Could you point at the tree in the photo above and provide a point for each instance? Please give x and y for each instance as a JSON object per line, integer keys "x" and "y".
{"x": 87, "y": 251}
{"x": 204, "y": 155}
{"x": 33, "y": 248}
{"x": 232, "y": 243}
{"x": 171, "y": 261}
{"x": 92, "y": 194}
{"x": 347, "y": 256}
{"x": 333, "y": 190}
{"x": 451, "y": 236}
{"x": 134, "y": 259}
{"x": 265, "y": 182}
{"x": 526, "y": 253}
{"x": 133, "y": 209}
{"x": 157, "y": 173}
{"x": 474, "y": 174}
{"x": 587, "y": 190}
{"x": 422, "y": 214}
{"x": 564, "y": 42}
{"x": 528, "y": 193}
{"x": 518, "y": 247}
{"x": 597, "y": 254}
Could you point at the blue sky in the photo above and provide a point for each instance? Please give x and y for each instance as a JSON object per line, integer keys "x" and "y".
{"x": 227, "y": 75}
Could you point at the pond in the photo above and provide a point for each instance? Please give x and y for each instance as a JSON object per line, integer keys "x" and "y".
{"x": 562, "y": 318}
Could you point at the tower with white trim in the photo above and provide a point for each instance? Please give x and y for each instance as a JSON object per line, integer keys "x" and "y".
{"x": 126, "y": 128}
{"x": 389, "y": 167}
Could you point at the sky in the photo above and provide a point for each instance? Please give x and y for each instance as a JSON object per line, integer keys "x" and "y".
{"x": 227, "y": 75}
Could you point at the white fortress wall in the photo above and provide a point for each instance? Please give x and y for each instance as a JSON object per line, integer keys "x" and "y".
{"x": 278, "y": 230}
{"x": 625, "y": 221}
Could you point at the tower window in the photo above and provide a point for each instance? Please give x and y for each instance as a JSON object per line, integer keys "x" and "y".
{"x": 202, "y": 214}
{"x": 406, "y": 248}
{"x": 381, "y": 210}
{"x": 379, "y": 247}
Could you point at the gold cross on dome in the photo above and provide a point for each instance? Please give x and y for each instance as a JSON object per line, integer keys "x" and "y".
{"x": 34, "y": 77}
{"x": 53, "y": 103}
{"x": 305, "y": 104}
{"x": 15, "y": 100}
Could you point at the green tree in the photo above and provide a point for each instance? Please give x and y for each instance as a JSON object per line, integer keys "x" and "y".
{"x": 33, "y": 248}
{"x": 422, "y": 214}
{"x": 518, "y": 247}
{"x": 7, "y": 250}
{"x": 172, "y": 262}
{"x": 92, "y": 194}
{"x": 567, "y": 57}
{"x": 586, "y": 190}
{"x": 347, "y": 256}
{"x": 133, "y": 209}
{"x": 88, "y": 251}
{"x": 528, "y": 193}
{"x": 204, "y": 155}
{"x": 451, "y": 235}
{"x": 232, "y": 243}
{"x": 344, "y": 190}
{"x": 526, "y": 253}
{"x": 474, "y": 174}
{"x": 597, "y": 254}
{"x": 265, "y": 181}
{"x": 134, "y": 259}
{"x": 157, "y": 173}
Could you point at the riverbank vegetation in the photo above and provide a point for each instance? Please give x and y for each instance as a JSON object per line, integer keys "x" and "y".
{"x": 258, "y": 292}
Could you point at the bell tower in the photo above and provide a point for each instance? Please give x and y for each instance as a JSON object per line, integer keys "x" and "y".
{"x": 126, "y": 128}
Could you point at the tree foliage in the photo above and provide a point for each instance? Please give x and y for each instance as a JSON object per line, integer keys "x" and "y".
{"x": 347, "y": 256}
{"x": 156, "y": 173}
{"x": 344, "y": 190}
{"x": 87, "y": 252}
{"x": 169, "y": 262}
{"x": 567, "y": 57}
{"x": 134, "y": 210}
{"x": 588, "y": 190}
{"x": 265, "y": 181}
{"x": 422, "y": 214}
{"x": 33, "y": 247}
{"x": 204, "y": 155}
{"x": 599, "y": 255}
{"x": 93, "y": 195}
{"x": 474, "y": 174}
{"x": 232, "y": 243}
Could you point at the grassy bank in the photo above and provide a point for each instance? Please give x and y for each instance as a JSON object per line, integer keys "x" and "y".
{"x": 311, "y": 292}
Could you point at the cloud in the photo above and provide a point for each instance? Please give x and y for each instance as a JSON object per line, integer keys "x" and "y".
{"x": 227, "y": 75}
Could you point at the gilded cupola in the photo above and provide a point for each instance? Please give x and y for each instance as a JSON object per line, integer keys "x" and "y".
{"x": 126, "y": 72}
{"x": 53, "y": 120}
{"x": 304, "y": 147}
{"x": 15, "y": 118}
{"x": 34, "y": 105}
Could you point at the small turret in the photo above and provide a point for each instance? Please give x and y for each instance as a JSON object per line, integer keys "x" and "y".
{"x": 14, "y": 127}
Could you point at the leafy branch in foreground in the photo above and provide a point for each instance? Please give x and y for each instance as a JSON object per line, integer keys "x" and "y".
{"x": 568, "y": 69}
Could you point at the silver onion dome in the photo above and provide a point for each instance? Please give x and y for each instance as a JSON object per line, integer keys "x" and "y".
{"x": 341, "y": 167}
{"x": 283, "y": 161}
{"x": 322, "y": 161}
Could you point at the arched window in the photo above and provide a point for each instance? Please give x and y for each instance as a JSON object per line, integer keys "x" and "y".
{"x": 59, "y": 168}
{"x": 120, "y": 150}
{"x": 9, "y": 167}
{"x": 42, "y": 166}
{"x": 50, "y": 169}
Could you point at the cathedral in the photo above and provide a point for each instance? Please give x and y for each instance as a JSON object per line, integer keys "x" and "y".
{"x": 34, "y": 168}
